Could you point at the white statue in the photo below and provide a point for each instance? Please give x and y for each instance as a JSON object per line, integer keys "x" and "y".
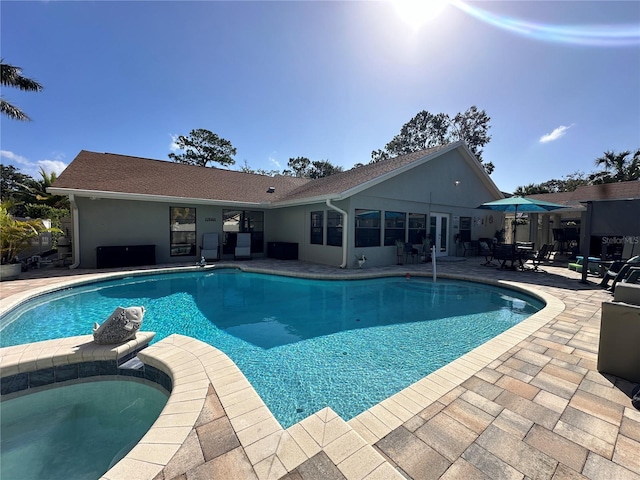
{"x": 120, "y": 327}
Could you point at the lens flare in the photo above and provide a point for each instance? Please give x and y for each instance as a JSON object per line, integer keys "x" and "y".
{"x": 594, "y": 35}
{"x": 418, "y": 12}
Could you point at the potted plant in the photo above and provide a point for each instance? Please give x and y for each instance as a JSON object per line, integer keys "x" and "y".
{"x": 15, "y": 237}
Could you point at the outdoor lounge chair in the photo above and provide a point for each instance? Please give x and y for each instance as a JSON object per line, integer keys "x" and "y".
{"x": 243, "y": 246}
{"x": 627, "y": 270}
{"x": 210, "y": 248}
{"x": 615, "y": 271}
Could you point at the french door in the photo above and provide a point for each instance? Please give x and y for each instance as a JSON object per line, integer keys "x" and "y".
{"x": 439, "y": 233}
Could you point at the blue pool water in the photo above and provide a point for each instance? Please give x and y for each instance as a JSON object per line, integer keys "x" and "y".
{"x": 75, "y": 431}
{"x": 303, "y": 344}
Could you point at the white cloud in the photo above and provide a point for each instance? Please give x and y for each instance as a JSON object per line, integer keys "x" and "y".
{"x": 273, "y": 160}
{"x": 32, "y": 169}
{"x": 173, "y": 146}
{"x": 13, "y": 157}
{"x": 555, "y": 135}
{"x": 51, "y": 166}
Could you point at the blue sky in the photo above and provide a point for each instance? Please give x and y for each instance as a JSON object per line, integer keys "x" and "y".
{"x": 326, "y": 80}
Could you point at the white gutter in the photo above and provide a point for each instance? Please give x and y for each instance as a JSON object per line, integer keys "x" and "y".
{"x": 75, "y": 240}
{"x": 95, "y": 194}
{"x": 345, "y": 231}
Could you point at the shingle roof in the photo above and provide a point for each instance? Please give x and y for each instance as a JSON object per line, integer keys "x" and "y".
{"x": 108, "y": 172}
{"x": 606, "y": 191}
{"x": 345, "y": 181}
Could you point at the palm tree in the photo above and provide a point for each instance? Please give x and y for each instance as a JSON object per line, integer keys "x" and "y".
{"x": 36, "y": 191}
{"x": 617, "y": 167}
{"x": 11, "y": 76}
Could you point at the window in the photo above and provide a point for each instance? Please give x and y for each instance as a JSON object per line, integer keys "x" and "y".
{"x": 394, "y": 227}
{"x": 417, "y": 227}
{"x": 317, "y": 228}
{"x": 236, "y": 221}
{"x": 182, "y": 231}
{"x": 465, "y": 229}
{"x": 334, "y": 228}
{"x": 367, "y": 228}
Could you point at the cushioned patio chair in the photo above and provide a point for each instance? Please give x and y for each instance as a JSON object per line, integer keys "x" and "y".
{"x": 243, "y": 246}
{"x": 486, "y": 250}
{"x": 210, "y": 248}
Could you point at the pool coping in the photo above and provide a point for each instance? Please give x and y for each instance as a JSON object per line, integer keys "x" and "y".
{"x": 273, "y": 451}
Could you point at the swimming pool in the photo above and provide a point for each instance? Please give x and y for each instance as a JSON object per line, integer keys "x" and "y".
{"x": 303, "y": 344}
{"x": 75, "y": 431}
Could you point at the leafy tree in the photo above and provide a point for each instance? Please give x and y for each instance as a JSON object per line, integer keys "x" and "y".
{"x": 298, "y": 167}
{"x": 203, "y": 147}
{"x": 12, "y": 184}
{"x": 617, "y": 167}
{"x": 531, "y": 189}
{"x": 11, "y": 76}
{"x": 323, "y": 168}
{"x": 260, "y": 171}
{"x": 304, "y": 168}
{"x": 566, "y": 184}
{"x": 427, "y": 130}
{"x": 20, "y": 191}
{"x": 37, "y": 191}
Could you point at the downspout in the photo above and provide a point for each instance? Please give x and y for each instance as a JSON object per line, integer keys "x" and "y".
{"x": 75, "y": 241}
{"x": 345, "y": 231}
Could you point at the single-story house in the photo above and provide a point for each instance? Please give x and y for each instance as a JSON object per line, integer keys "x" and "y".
{"x": 157, "y": 211}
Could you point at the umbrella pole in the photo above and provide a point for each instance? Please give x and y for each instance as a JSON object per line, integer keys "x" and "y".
{"x": 515, "y": 226}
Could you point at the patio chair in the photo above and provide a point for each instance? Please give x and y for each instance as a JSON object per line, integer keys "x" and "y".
{"x": 487, "y": 251}
{"x": 633, "y": 276}
{"x": 410, "y": 252}
{"x": 617, "y": 271}
{"x": 471, "y": 246}
{"x": 538, "y": 257}
{"x": 560, "y": 240}
{"x": 243, "y": 246}
{"x": 210, "y": 248}
{"x": 627, "y": 271}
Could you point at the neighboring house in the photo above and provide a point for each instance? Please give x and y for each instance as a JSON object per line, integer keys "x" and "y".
{"x": 119, "y": 200}
{"x": 616, "y": 215}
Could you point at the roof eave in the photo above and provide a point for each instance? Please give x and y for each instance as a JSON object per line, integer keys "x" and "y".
{"x": 98, "y": 194}
{"x": 308, "y": 200}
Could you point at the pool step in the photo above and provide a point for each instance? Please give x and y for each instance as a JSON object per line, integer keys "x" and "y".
{"x": 133, "y": 364}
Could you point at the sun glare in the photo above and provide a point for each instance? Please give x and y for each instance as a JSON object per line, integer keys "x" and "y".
{"x": 418, "y": 12}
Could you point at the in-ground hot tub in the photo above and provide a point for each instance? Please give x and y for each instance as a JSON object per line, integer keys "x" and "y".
{"x": 71, "y": 408}
{"x": 77, "y": 430}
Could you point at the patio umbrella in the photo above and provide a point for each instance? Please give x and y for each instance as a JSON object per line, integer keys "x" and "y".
{"x": 520, "y": 204}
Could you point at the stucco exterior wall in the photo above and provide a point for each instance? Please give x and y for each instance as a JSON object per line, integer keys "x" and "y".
{"x": 293, "y": 224}
{"x": 430, "y": 188}
{"x": 108, "y": 222}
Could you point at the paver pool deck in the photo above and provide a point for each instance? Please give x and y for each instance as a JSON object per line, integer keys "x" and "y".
{"x": 528, "y": 404}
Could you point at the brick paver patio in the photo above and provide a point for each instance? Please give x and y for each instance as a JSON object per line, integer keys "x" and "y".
{"x": 540, "y": 410}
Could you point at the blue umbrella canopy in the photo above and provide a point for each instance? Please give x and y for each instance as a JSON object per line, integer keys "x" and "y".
{"x": 520, "y": 204}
